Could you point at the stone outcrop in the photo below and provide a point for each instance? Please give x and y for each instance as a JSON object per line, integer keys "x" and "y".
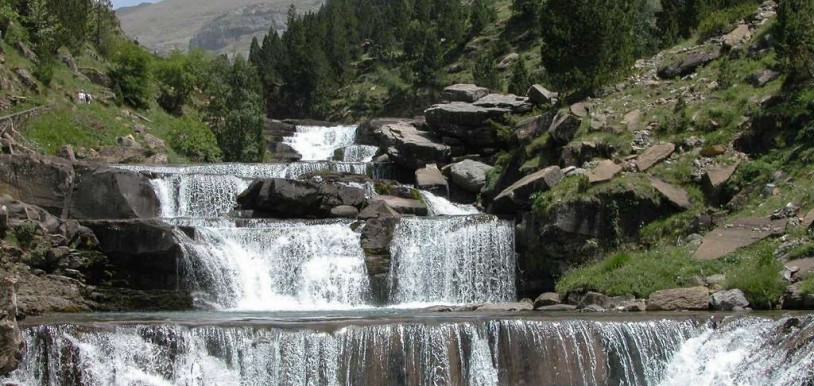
{"x": 742, "y": 233}
{"x": 405, "y": 145}
{"x": 11, "y": 342}
{"x": 430, "y": 179}
{"x": 715, "y": 179}
{"x": 516, "y": 196}
{"x": 469, "y": 175}
{"x": 38, "y": 180}
{"x": 402, "y": 205}
{"x": 795, "y": 299}
{"x": 547, "y": 299}
{"x": 731, "y": 300}
{"x": 653, "y": 155}
{"x": 377, "y": 234}
{"x": 511, "y": 102}
{"x": 564, "y": 127}
{"x": 464, "y": 93}
{"x": 606, "y": 170}
{"x": 688, "y": 64}
{"x": 540, "y": 95}
{"x": 283, "y": 198}
{"x": 696, "y": 299}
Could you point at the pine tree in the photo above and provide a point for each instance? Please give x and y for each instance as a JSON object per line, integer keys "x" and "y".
{"x": 795, "y": 30}
{"x": 485, "y": 72}
{"x": 521, "y": 79}
{"x": 526, "y": 10}
{"x": 482, "y": 13}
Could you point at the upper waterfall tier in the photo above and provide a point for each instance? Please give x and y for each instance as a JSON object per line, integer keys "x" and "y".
{"x": 440, "y": 206}
{"x": 319, "y": 143}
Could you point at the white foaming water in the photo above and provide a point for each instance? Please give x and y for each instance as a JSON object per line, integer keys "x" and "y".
{"x": 318, "y": 143}
{"x": 747, "y": 352}
{"x": 465, "y": 259}
{"x": 359, "y": 153}
{"x": 283, "y": 265}
{"x": 487, "y": 353}
{"x": 439, "y": 206}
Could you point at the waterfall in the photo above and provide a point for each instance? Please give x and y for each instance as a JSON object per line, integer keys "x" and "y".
{"x": 359, "y": 153}
{"x": 275, "y": 265}
{"x": 439, "y": 206}
{"x": 465, "y": 259}
{"x": 492, "y": 352}
{"x": 318, "y": 143}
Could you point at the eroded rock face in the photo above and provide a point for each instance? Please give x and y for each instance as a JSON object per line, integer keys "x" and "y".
{"x": 283, "y": 198}
{"x": 11, "y": 342}
{"x": 38, "y": 180}
{"x": 464, "y": 93}
{"x": 517, "y": 195}
{"x": 405, "y": 145}
{"x": 696, "y": 298}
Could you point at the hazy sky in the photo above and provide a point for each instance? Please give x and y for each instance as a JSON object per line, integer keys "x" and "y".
{"x": 128, "y": 3}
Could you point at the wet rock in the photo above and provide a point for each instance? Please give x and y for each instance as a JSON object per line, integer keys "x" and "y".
{"x": 284, "y": 198}
{"x": 676, "y": 195}
{"x": 606, "y": 170}
{"x": 402, "y": 205}
{"x": 763, "y": 77}
{"x": 546, "y": 299}
{"x": 517, "y": 195}
{"x": 430, "y": 179}
{"x": 377, "y": 209}
{"x": 464, "y": 93}
{"x": 696, "y": 298}
{"x": 469, "y": 175}
{"x": 557, "y": 308}
{"x": 539, "y": 95}
{"x": 688, "y": 64}
{"x": 281, "y": 152}
{"x": 507, "y": 307}
{"x": 653, "y": 155}
{"x": 344, "y": 211}
{"x": 11, "y": 342}
{"x": 564, "y": 127}
{"x": 106, "y": 193}
{"x": 743, "y": 232}
{"x": 730, "y": 300}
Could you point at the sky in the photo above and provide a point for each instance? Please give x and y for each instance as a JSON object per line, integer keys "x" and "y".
{"x": 128, "y": 3}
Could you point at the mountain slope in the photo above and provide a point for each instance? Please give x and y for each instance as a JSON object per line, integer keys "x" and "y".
{"x": 172, "y": 24}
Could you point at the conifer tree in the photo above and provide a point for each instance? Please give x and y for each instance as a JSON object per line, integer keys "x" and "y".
{"x": 795, "y": 30}
{"x": 485, "y": 72}
{"x": 521, "y": 79}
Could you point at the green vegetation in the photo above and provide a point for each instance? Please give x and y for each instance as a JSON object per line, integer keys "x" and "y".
{"x": 757, "y": 274}
{"x": 807, "y": 286}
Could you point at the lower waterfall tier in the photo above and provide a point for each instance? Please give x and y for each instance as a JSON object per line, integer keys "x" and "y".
{"x": 434, "y": 351}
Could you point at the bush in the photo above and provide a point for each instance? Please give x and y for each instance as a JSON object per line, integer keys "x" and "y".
{"x": 131, "y": 76}
{"x": 722, "y": 21}
{"x": 25, "y": 234}
{"x": 194, "y": 140}
{"x": 808, "y": 285}
{"x": 758, "y": 276}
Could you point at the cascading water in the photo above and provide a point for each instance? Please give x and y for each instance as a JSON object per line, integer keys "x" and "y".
{"x": 439, "y": 206}
{"x": 497, "y": 352}
{"x": 466, "y": 259}
{"x": 318, "y": 143}
{"x": 359, "y": 153}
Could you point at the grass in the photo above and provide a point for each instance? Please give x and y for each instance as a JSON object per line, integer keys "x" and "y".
{"x": 807, "y": 286}
{"x": 757, "y": 274}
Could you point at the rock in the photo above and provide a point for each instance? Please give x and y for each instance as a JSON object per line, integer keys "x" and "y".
{"x": 470, "y": 175}
{"x": 17, "y": 213}
{"x": 377, "y": 209}
{"x": 695, "y": 298}
{"x": 564, "y": 128}
{"x": 801, "y": 268}
{"x": 632, "y": 120}
{"x": 43, "y": 181}
{"x": 539, "y": 95}
{"x": 517, "y": 195}
{"x": 431, "y": 180}
{"x": 743, "y": 232}
{"x": 410, "y": 148}
{"x": 508, "y": 60}
{"x": 762, "y": 77}
{"x": 69, "y": 61}
{"x": 739, "y": 35}
{"x": 11, "y": 340}
{"x": 795, "y": 299}
{"x": 606, "y": 170}
{"x": 513, "y": 103}
{"x": 579, "y": 109}
{"x": 283, "y": 198}
{"x": 402, "y": 205}
{"x": 129, "y": 142}
{"x": 507, "y": 307}
{"x": 344, "y": 211}
{"x": 728, "y": 300}
{"x": 653, "y": 155}
{"x": 546, "y": 299}
{"x": 530, "y": 128}
{"x": 688, "y": 64}
{"x": 27, "y": 52}
{"x": 377, "y": 234}
{"x": 713, "y": 151}
{"x": 463, "y": 114}
{"x": 154, "y": 143}
{"x": 557, "y": 308}
{"x": 105, "y": 193}
{"x": 577, "y": 153}
{"x": 677, "y": 196}
{"x": 66, "y": 151}
{"x": 4, "y": 221}
{"x": 638, "y": 305}
{"x": 464, "y": 93}
{"x": 27, "y": 79}
{"x": 808, "y": 220}
{"x": 716, "y": 178}
{"x": 96, "y": 76}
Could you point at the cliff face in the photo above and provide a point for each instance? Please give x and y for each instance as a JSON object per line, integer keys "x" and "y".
{"x": 218, "y": 25}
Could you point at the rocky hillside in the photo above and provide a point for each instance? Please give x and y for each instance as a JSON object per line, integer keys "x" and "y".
{"x": 221, "y": 26}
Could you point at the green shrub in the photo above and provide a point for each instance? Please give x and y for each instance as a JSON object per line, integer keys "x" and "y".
{"x": 131, "y": 76}
{"x": 194, "y": 140}
{"x": 722, "y": 21}
{"x": 25, "y": 234}
{"x": 758, "y": 275}
{"x": 808, "y": 285}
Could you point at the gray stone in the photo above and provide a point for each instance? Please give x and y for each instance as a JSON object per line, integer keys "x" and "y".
{"x": 743, "y": 232}
{"x": 26, "y": 51}
{"x": 517, "y": 195}
{"x": 653, "y": 155}
{"x": 638, "y": 305}
{"x": 688, "y": 64}
{"x": 508, "y": 60}
{"x": 557, "y": 308}
{"x": 739, "y": 35}
{"x": 513, "y": 103}
{"x": 546, "y": 299}
{"x": 564, "y": 127}
{"x": 470, "y": 175}
{"x": 27, "y": 79}
{"x": 507, "y": 307}
{"x": 593, "y": 308}
{"x": 377, "y": 209}
{"x": 606, "y": 170}
{"x": 464, "y": 93}
{"x": 540, "y": 95}
{"x": 728, "y": 300}
{"x": 344, "y": 211}
{"x": 283, "y": 198}
{"x": 154, "y": 143}
{"x": 580, "y": 109}
{"x": 674, "y": 194}
{"x": 11, "y": 341}
{"x": 402, "y": 205}
{"x": 802, "y": 268}
{"x": 762, "y": 77}
{"x": 632, "y": 120}
{"x": 716, "y": 178}
{"x": 795, "y": 299}
{"x": 463, "y": 114}
{"x": 430, "y": 179}
{"x": 100, "y": 192}
{"x": 410, "y": 148}
{"x": 695, "y": 298}
{"x": 66, "y": 151}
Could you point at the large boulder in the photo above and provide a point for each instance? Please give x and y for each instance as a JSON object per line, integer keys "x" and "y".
{"x": 469, "y": 175}
{"x": 540, "y": 95}
{"x": 407, "y": 146}
{"x": 283, "y": 198}
{"x": 688, "y": 64}
{"x": 696, "y": 299}
{"x": 38, "y": 180}
{"x": 464, "y": 93}
{"x": 513, "y": 103}
{"x": 462, "y": 114}
{"x": 11, "y": 342}
{"x": 430, "y": 179}
{"x": 731, "y": 300}
{"x": 377, "y": 234}
{"x": 564, "y": 127}
{"x": 517, "y": 195}
{"x": 107, "y": 193}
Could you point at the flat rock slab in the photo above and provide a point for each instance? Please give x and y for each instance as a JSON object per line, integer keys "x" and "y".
{"x": 402, "y": 205}
{"x": 676, "y": 195}
{"x": 803, "y": 268}
{"x": 632, "y": 119}
{"x": 431, "y": 180}
{"x": 463, "y": 114}
{"x": 808, "y": 220}
{"x": 518, "y": 306}
{"x": 739, "y": 35}
{"x": 696, "y": 298}
{"x": 470, "y": 175}
{"x": 557, "y": 308}
{"x": 653, "y": 155}
{"x": 464, "y": 93}
{"x": 579, "y": 109}
{"x": 688, "y": 64}
{"x": 744, "y": 232}
{"x": 716, "y": 177}
{"x": 516, "y": 104}
{"x": 541, "y": 95}
{"x": 605, "y": 171}
{"x": 517, "y": 195}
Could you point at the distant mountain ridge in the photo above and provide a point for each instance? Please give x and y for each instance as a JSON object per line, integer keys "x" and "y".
{"x": 225, "y": 26}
